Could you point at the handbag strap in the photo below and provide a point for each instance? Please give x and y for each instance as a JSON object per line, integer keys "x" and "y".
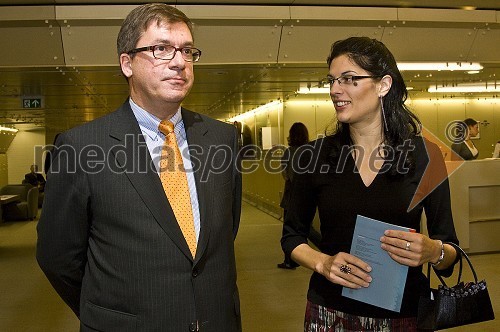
{"x": 462, "y": 253}
{"x": 440, "y": 278}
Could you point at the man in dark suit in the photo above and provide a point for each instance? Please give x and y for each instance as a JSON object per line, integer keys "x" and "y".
{"x": 108, "y": 238}
{"x": 34, "y": 178}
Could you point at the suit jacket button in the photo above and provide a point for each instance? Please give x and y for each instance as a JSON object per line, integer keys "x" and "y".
{"x": 194, "y": 273}
{"x": 193, "y": 327}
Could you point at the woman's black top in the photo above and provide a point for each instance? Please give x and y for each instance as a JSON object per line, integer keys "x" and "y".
{"x": 337, "y": 191}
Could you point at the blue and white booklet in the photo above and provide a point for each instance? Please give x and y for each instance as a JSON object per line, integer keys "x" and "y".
{"x": 388, "y": 276}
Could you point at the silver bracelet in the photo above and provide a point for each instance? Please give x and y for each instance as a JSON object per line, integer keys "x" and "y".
{"x": 441, "y": 257}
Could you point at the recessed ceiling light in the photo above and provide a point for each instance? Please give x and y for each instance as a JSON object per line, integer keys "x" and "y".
{"x": 473, "y": 72}
{"x": 438, "y": 66}
{"x": 13, "y": 130}
{"x": 312, "y": 90}
{"x": 467, "y": 87}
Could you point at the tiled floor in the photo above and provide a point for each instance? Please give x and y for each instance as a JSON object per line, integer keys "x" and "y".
{"x": 272, "y": 299}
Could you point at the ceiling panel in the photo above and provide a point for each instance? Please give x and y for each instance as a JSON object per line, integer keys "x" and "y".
{"x": 484, "y": 47}
{"x": 90, "y": 45}
{"x": 241, "y": 44}
{"x": 429, "y": 44}
{"x": 446, "y": 15}
{"x": 31, "y": 46}
{"x": 348, "y": 14}
{"x": 297, "y": 44}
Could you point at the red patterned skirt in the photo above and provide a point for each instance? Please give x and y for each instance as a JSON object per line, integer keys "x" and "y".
{"x": 323, "y": 319}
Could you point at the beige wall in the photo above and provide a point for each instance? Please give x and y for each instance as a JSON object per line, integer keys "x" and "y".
{"x": 263, "y": 188}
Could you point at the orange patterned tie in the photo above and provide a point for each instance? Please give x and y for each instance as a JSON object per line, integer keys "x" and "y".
{"x": 174, "y": 181}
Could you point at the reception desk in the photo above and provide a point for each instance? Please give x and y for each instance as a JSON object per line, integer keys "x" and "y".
{"x": 475, "y": 201}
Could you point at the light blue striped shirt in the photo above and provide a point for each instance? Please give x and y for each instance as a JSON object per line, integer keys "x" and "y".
{"x": 155, "y": 139}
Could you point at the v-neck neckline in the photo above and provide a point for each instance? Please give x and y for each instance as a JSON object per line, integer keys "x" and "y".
{"x": 358, "y": 174}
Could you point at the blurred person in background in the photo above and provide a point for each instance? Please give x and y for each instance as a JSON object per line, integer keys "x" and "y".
{"x": 35, "y": 179}
{"x": 298, "y": 135}
{"x": 465, "y": 148}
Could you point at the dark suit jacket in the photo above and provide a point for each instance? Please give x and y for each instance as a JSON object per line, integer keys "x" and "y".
{"x": 35, "y": 179}
{"x": 463, "y": 151}
{"x": 108, "y": 240}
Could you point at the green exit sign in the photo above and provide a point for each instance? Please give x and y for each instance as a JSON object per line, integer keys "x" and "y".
{"x": 32, "y": 102}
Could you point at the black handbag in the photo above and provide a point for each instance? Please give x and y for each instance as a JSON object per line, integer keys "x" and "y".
{"x": 462, "y": 304}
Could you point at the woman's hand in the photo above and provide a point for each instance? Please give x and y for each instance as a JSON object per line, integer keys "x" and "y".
{"x": 345, "y": 269}
{"x": 408, "y": 248}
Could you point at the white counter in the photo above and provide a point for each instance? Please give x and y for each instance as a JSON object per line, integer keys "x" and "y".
{"x": 475, "y": 201}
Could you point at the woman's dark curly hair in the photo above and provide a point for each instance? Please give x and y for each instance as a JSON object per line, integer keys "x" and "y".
{"x": 400, "y": 124}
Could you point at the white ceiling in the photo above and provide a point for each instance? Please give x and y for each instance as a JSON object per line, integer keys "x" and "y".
{"x": 64, "y": 50}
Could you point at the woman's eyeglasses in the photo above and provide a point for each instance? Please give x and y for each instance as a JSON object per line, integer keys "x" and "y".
{"x": 347, "y": 79}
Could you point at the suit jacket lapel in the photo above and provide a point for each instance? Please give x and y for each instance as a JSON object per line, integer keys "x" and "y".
{"x": 196, "y": 132}
{"x": 137, "y": 165}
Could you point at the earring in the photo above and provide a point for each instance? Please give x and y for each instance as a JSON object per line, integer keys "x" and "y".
{"x": 383, "y": 112}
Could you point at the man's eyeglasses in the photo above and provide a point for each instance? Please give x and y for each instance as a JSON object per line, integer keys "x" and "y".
{"x": 167, "y": 52}
{"x": 347, "y": 79}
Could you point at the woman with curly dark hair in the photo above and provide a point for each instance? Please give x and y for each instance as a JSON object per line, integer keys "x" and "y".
{"x": 375, "y": 164}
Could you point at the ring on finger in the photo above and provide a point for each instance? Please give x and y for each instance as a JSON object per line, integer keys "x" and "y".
{"x": 345, "y": 268}
{"x": 408, "y": 244}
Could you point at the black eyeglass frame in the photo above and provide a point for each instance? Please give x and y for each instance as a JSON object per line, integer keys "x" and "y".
{"x": 180, "y": 49}
{"x": 331, "y": 80}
